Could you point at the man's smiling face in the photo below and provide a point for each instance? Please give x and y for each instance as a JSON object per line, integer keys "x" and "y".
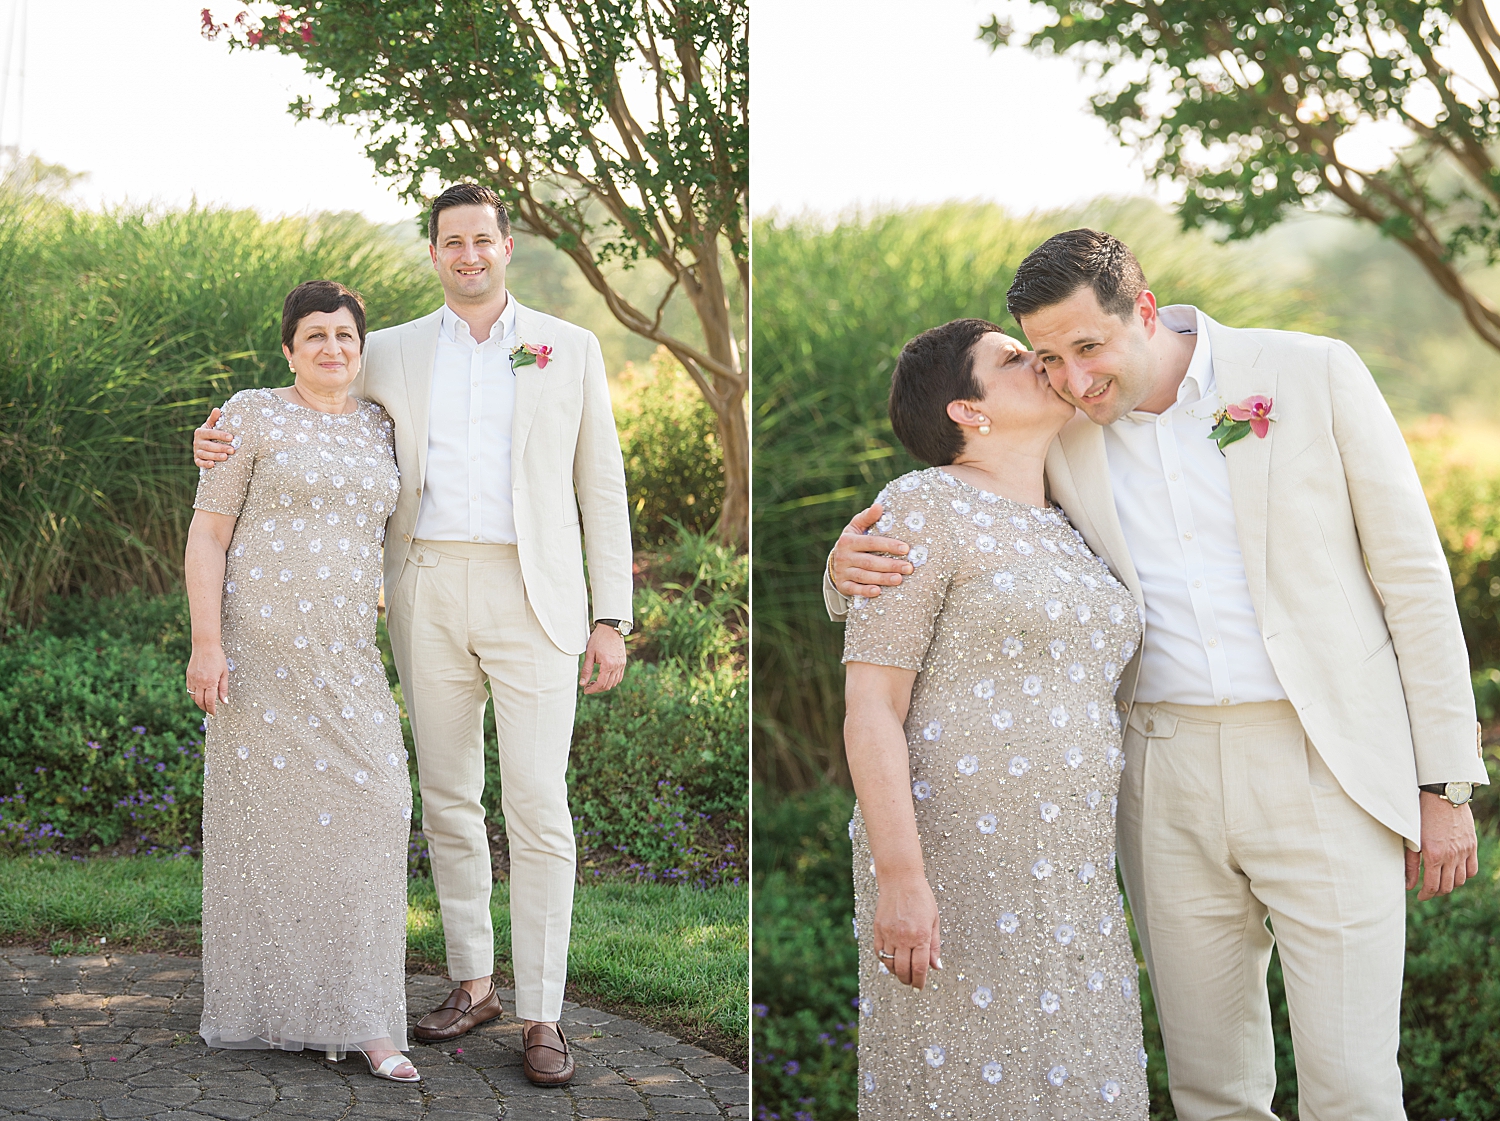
{"x": 1095, "y": 360}
{"x": 470, "y": 254}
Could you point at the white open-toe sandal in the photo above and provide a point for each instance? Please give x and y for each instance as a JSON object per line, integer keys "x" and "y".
{"x": 390, "y": 1064}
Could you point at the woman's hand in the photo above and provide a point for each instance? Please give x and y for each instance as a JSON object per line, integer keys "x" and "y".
{"x": 906, "y": 932}
{"x": 208, "y": 676}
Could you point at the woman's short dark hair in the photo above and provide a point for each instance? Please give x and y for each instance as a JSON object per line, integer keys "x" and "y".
{"x": 935, "y": 368}
{"x": 467, "y": 194}
{"x": 320, "y": 295}
{"x": 1068, "y": 262}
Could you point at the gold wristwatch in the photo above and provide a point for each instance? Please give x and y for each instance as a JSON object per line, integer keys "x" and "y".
{"x": 1457, "y": 793}
{"x": 621, "y": 625}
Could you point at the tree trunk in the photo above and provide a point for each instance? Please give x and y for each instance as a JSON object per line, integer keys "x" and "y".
{"x": 734, "y": 440}
{"x": 710, "y": 299}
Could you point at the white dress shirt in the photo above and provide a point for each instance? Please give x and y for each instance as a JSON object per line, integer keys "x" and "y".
{"x": 1203, "y": 645}
{"x": 466, "y": 495}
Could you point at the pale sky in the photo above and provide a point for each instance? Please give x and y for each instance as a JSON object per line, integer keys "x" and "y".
{"x": 860, "y": 103}
{"x": 133, "y": 95}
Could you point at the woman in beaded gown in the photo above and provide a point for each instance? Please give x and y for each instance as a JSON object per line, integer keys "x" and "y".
{"x": 997, "y": 978}
{"x": 306, "y": 800}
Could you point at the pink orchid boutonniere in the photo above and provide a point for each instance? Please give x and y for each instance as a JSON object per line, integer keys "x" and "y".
{"x": 530, "y": 354}
{"x": 1235, "y": 422}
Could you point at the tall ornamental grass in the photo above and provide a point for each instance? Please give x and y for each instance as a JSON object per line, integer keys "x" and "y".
{"x": 118, "y": 331}
{"x": 833, "y": 307}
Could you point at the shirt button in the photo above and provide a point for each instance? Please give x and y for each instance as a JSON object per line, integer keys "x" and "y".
{"x": 475, "y": 384}
{"x": 1187, "y": 536}
{"x": 407, "y": 536}
{"x": 1223, "y": 700}
{"x": 1173, "y": 476}
{"x": 476, "y": 538}
{"x": 474, "y": 420}
{"x": 1197, "y": 583}
{"x": 1213, "y": 642}
{"x": 1161, "y": 420}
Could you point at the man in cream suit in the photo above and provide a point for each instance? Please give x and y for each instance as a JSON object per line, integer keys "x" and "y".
{"x": 504, "y": 437}
{"x": 1299, "y": 721}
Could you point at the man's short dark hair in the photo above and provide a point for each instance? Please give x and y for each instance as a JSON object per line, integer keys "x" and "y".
{"x": 935, "y": 368}
{"x": 320, "y": 295}
{"x": 1077, "y": 259}
{"x": 467, "y": 194}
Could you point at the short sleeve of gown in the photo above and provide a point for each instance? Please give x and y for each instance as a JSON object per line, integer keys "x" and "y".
{"x": 222, "y": 489}
{"x": 896, "y": 628}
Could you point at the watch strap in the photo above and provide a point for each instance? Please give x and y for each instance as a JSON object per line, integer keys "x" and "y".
{"x": 1441, "y": 790}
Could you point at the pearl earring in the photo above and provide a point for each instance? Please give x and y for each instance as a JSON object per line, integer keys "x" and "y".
{"x": 984, "y": 428}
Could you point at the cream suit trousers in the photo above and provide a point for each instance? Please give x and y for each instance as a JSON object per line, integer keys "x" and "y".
{"x": 1229, "y": 817}
{"x": 458, "y": 616}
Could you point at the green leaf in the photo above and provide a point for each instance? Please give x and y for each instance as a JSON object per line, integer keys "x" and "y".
{"x": 1227, "y": 432}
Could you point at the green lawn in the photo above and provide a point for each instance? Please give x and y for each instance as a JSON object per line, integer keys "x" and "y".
{"x": 675, "y": 956}
{"x": 671, "y": 955}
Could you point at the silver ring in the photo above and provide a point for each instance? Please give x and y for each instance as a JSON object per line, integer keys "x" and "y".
{"x": 883, "y": 954}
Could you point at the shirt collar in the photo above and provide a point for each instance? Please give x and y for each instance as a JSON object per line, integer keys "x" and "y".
{"x": 454, "y": 328}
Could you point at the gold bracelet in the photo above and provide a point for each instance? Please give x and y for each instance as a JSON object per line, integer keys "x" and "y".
{"x": 832, "y": 583}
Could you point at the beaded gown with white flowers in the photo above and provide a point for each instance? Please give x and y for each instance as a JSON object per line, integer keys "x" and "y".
{"x": 306, "y": 800}
{"x": 1018, "y": 633}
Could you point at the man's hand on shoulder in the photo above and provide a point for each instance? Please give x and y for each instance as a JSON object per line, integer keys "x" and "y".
{"x": 211, "y": 446}
{"x": 858, "y": 567}
{"x": 1450, "y": 848}
{"x": 606, "y": 648}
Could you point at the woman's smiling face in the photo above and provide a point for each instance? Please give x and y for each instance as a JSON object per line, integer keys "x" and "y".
{"x": 325, "y": 351}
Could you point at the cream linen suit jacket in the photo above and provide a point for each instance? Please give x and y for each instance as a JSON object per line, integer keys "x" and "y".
{"x": 1351, "y": 588}
{"x": 563, "y": 440}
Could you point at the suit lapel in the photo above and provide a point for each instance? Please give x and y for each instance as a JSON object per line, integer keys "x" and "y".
{"x": 535, "y": 329}
{"x": 418, "y": 354}
{"x": 1237, "y": 377}
{"x": 1078, "y": 474}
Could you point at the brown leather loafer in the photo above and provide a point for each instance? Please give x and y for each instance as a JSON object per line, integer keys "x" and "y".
{"x": 457, "y": 1015}
{"x": 549, "y": 1060}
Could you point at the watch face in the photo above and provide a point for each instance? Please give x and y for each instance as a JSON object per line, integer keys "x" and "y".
{"x": 1459, "y": 792}
{"x": 625, "y": 627}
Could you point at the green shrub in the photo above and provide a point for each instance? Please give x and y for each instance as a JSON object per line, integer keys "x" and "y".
{"x": 659, "y": 772}
{"x": 694, "y": 607}
{"x": 805, "y": 959}
{"x": 674, "y": 467}
{"x": 1450, "y": 1013}
{"x": 98, "y": 742}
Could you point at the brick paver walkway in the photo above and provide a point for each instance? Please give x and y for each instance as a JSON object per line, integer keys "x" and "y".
{"x": 116, "y": 1037}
